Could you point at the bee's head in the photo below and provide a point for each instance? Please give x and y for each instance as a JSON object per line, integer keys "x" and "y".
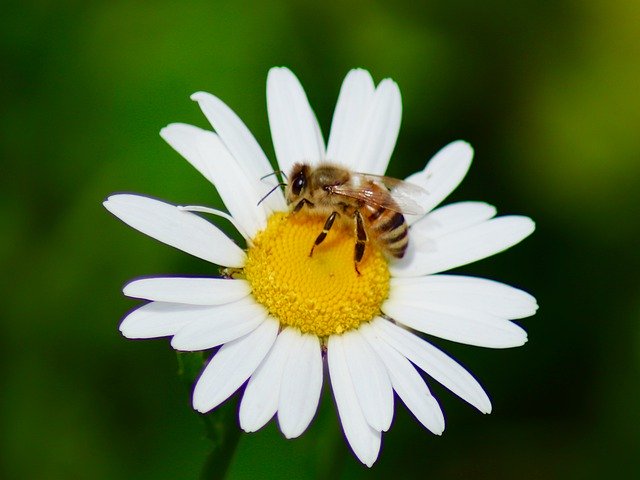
{"x": 297, "y": 182}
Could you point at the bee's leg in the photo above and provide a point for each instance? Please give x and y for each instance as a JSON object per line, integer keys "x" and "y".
{"x": 361, "y": 240}
{"x": 301, "y": 204}
{"x": 327, "y": 226}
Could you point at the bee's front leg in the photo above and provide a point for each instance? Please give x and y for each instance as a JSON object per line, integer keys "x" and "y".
{"x": 301, "y": 204}
{"x": 361, "y": 240}
{"x": 327, "y": 226}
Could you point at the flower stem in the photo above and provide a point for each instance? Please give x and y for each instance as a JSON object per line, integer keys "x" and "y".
{"x": 220, "y": 424}
{"x": 224, "y": 435}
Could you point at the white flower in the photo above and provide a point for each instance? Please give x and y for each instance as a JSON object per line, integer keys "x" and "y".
{"x": 278, "y": 314}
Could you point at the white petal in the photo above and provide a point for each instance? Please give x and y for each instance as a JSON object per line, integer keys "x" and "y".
{"x": 435, "y": 363}
{"x": 158, "y": 319}
{"x": 206, "y": 152}
{"x": 456, "y": 324}
{"x": 243, "y": 147}
{"x": 370, "y": 381}
{"x": 451, "y": 218}
{"x": 464, "y": 246}
{"x": 232, "y": 365}
{"x": 364, "y": 440}
{"x": 191, "y": 291}
{"x": 379, "y": 132}
{"x": 183, "y": 230}
{"x": 222, "y": 324}
{"x": 408, "y": 383}
{"x": 301, "y": 386}
{"x": 356, "y": 96}
{"x": 217, "y": 213}
{"x": 260, "y": 399}
{"x": 477, "y": 294}
{"x": 443, "y": 174}
{"x": 294, "y": 128}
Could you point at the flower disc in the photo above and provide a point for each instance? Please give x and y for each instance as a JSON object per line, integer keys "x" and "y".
{"x": 320, "y": 294}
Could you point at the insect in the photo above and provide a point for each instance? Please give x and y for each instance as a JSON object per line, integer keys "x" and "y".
{"x": 374, "y": 204}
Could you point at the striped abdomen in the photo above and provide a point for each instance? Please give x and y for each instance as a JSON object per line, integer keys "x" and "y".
{"x": 387, "y": 228}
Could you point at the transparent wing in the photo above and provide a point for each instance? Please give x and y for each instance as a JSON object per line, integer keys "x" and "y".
{"x": 390, "y": 193}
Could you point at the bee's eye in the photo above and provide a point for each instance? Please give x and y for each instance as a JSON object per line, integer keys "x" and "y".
{"x": 298, "y": 184}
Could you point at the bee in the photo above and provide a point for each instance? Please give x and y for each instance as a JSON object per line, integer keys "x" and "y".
{"x": 373, "y": 204}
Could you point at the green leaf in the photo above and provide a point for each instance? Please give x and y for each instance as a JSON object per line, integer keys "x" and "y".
{"x": 189, "y": 366}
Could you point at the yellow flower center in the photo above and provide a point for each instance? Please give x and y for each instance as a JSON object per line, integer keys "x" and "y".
{"x": 322, "y": 294}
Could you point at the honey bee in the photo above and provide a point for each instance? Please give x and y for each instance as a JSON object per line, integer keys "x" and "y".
{"x": 374, "y": 204}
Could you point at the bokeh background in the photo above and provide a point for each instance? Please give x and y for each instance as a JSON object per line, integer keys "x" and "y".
{"x": 548, "y": 92}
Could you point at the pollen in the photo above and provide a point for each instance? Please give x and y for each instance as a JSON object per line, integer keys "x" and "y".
{"x": 320, "y": 294}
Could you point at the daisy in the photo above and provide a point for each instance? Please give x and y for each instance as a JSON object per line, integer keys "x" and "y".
{"x": 278, "y": 314}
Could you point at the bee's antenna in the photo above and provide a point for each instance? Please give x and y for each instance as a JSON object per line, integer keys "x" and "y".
{"x": 272, "y": 173}
{"x": 281, "y": 184}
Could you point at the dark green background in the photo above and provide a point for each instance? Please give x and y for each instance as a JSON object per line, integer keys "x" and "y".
{"x": 546, "y": 91}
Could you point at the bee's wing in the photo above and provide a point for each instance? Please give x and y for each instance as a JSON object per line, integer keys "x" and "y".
{"x": 390, "y": 193}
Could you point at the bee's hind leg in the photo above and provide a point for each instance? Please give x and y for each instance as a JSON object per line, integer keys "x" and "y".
{"x": 361, "y": 241}
{"x": 327, "y": 226}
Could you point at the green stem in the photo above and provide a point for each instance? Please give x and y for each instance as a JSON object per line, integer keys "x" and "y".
{"x": 220, "y": 425}
{"x": 224, "y": 435}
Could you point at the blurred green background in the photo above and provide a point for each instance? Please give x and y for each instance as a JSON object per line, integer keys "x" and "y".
{"x": 548, "y": 93}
